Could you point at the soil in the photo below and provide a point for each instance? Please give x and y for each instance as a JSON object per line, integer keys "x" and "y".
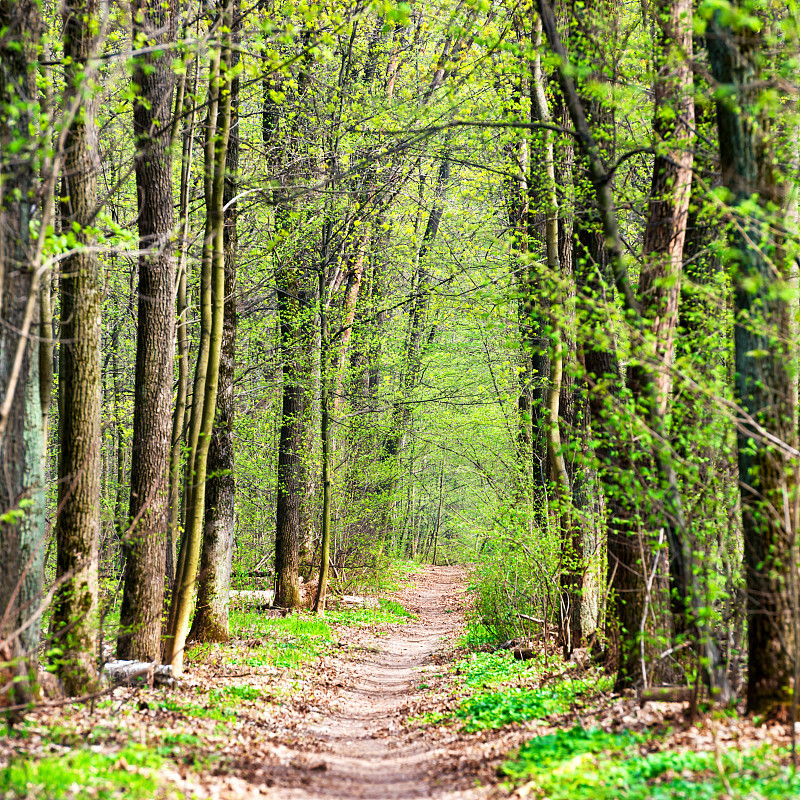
{"x": 348, "y": 725}
{"x": 359, "y": 745}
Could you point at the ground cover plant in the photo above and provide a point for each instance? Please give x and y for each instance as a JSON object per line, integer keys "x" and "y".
{"x": 591, "y": 764}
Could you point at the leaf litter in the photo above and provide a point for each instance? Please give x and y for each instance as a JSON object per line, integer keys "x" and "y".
{"x": 372, "y": 713}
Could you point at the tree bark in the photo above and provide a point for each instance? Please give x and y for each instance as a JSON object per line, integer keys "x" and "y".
{"x": 765, "y": 374}
{"x": 74, "y": 625}
{"x": 179, "y": 413}
{"x": 145, "y": 541}
{"x": 296, "y": 339}
{"x": 22, "y": 445}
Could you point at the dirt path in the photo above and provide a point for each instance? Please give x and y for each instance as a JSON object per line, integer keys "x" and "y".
{"x": 358, "y": 748}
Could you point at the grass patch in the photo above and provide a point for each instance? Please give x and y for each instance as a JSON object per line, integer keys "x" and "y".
{"x": 387, "y": 612}
{"x": 221, "y": 713}
{"x": 287, "y": 642}
{"x": 594, "y": 765}
{"x": 482, "y": 670}
{"x": 477, "y": 636}
{"x": 128, "y": 773}
{"x": 490, "y": 710}
{"x": 245, "y": 693}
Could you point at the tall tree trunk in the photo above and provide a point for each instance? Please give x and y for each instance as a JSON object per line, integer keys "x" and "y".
{"x": 22, "y": 445}
{"x": 294, "y": 309}
{"x": 765, "y": 382}
{"x": 665, "y": 232}
{"x": 208, "y": 359}
{"x": 325, "y": 546}
{"x": 179, "y": 413}
{"x": 80, "y": 388}
{"x": 213, "y": 589}
{"x": 145, "y": 541}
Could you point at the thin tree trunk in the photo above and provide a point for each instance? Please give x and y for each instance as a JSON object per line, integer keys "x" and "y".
{"x": 179, "y": 414}
{"x": 213, "y": 591}
{"x": 208, "y": 367}
{"x": 325, "y": 548}
{"x": 145, "y": 542}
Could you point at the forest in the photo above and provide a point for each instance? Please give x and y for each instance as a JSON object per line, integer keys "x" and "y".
{"x": 380, "y": 375}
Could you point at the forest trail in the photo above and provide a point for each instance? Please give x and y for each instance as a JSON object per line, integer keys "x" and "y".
{"x": 360, "y": 748}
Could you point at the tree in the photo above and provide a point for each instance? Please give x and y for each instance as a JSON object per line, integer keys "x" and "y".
{"x": 206, "y": 381}
{"x": 765, "y": 380}
{"x": 145, "y": 541}
{"x": 211, "y": 617}
{"x": 22, "y": 508}
{"x": 79, "y": 379}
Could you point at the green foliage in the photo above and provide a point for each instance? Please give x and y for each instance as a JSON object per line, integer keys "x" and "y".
{"x": 212, "y": 710}
{"x": 496, "y": 709}
{"x": 489, "y": 669}
{"x": 287, "y": 642}
{"x": 477, "y": 636}
{"x": 129, "y": 773}
{"x": 581, "y": 764}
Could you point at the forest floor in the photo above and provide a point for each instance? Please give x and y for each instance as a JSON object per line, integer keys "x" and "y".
{"x": 385, "y": 702}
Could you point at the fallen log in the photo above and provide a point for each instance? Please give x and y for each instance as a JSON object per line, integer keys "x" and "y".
{"x": 130, "y": 673}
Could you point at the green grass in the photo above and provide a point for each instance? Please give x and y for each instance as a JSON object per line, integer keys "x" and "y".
{"x": 221, "y": 713}
{"x": 593, "y": 765}
{"x": 129, "y": 773}
{"x": 292, "y": 641}
{"x": 387, "y": 612}
{"x": 287, "y": 642}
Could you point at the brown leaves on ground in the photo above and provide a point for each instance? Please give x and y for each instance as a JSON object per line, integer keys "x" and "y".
{"x": 233, "y": 730}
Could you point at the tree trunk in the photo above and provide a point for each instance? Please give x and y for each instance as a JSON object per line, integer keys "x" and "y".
{"x": 74, "y": 625}
{"x": 208, "y": 361}
{"x": 671, "y": 516}
{"x": 325, "y": 548}
{"x": 145, "y": 542}
{"x": 179, "y": 414}
{"x": 296, "y": 340}
{"x": 665, "y": 233}
{"x": 22, "y": 445}
{"x": 213, "y": 590}
{"x": 765, "y": 373}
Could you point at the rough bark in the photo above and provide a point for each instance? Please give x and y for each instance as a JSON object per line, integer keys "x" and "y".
{"x": 765, "y": 375}
{"x": 22, "y": 443}
{"x": 672, "y": 516}
{"x": 145, "y": 541}
{"x": 664, "y": 236}
{"x": 73, "y": 624}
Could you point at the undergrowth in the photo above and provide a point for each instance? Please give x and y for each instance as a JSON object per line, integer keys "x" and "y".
{"x": 83, "y": 773}
{"x": 583, "y": 764}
